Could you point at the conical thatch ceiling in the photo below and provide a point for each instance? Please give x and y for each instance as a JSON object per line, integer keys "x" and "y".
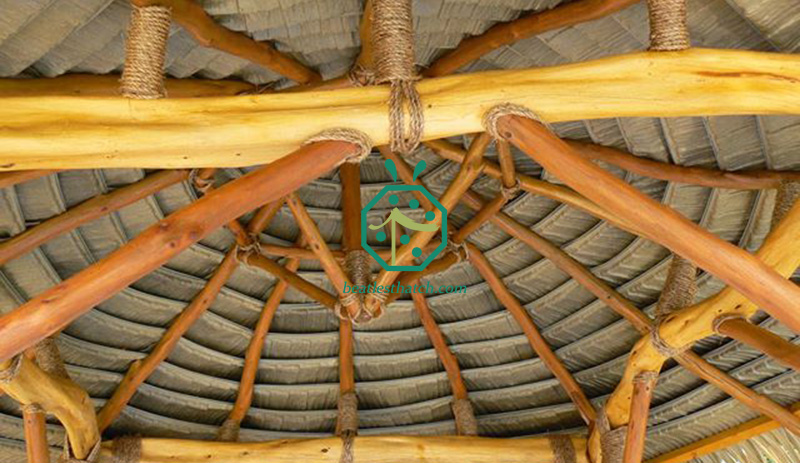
{"x": 401, "y": 385}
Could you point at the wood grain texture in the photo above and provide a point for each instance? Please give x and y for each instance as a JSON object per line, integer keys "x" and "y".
{"x": 55, "y": 308}
{"x": 637, "y": 424}
{"x": 90, "y": 85}
{"x": 367, "y": 449}
{"x": 763, "y": 340}
{"x": 36, "y": 447}
{"x": 85, "y": 132}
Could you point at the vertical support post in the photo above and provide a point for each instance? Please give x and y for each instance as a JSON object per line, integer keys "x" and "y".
{"x": 643, "y": 386}
{"x": 36, "y": 447}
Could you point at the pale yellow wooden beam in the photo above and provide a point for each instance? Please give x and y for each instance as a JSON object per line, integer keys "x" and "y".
{"x": 59, "y": 133}
{"x": 367, "y": 449}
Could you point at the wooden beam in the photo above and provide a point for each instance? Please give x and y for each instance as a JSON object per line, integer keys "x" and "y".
{"x": 367, "y": 449}
{"x": 470, "y": 170}
{"x": 636, "y": 317}
{"x": 8, "y": 179}
{"x": 140, "y": 370}
{"x": 332, "y": 269}
{"x": 56, "y": 395}
{"x": 637, "y": 424}
{"x": 83, "y": 132}
{"x": 87, "y": 211}
{"x": 55, "y": 308}
{"x": 532, "y": 185}
{"x": 108, "y": 85}
{"x": 208, "y": 33}
{"x": 508, "y": 173}
{"x": 536, "y": 340}
{"x": 304, "y": 286}
{"x": 481, "y": 217}
{"x": 722, "y": 440}
{"x": 35, "y": 425}
{"x": 764, "y": 340}
{"x": 735, "y": 266}
{"x": 449, "y": 361}
{"x": 740, "y": 180}
{"x": 531, "y": 24}
{"x": 350, "y": 177}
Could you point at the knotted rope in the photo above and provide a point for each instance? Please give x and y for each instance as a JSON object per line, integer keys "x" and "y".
{"x": 511, "y": 192}
{"x": 464, "y": 415}
{"x": 49, "y": 358}
{"x": 393, "y": 41}
{"x": 612, "y": 441}
{"x": 347, "y": 424}
{"x": 669, "y": 30}
{"x": 788, "y": 193}
{"x": 679, "y": 292}
{"x": 461, "y": 250}
{"x": 360, "y": 76}
{"x": 127, "y": 449}
{"x": 202, "y": 185}
{"x": 145, "y": 50}
{"x": 353, "y": 136}
{"x": 493, "y": 115}
{"x": 229, "y": 431}
{"x": 563, "y": 449}
{"x": 357, "y": 267}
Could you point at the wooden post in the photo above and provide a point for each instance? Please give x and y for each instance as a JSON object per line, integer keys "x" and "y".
{"x": 87, "y": 211}
{"x": 36, "y": 447}
{"x": 140, "y": 370}
{"x": 537, "y": 342}
{"x": 483, "y": 215}
{"x": 304, "y": 286}
{"x": 350, "y": 177}
{"x": 735, "y": 266}
{"x": 764, "y": 340}
{"x": 54, "y": 309}
{"x": 637, "y": 425}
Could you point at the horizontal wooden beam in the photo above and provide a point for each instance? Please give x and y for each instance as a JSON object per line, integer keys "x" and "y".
{"x": 61, "y": 132}
{"x": 366, "y": 449}
{"x": 714, "y": 178}
{"x": 8, "y": 179}
{"x": 722, "y": 440}
{"x": 527, "y": 26}
{"x": 761, "y": 339}
{"x": 91, "y": 85}
{"x": 55, "y": 308}
{"x": 209, "y": 33}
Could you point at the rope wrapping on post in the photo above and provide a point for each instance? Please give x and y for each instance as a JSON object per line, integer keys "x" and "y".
{"x": 669, "y": 30}
{"x": 393, "y": 41}
{"x": 127, "y": 449}
{"x": 360, "y": 76}
{"x": 145, "y": 51}
{"x": 464, "y": 414}
{"x": 48, "y": 357}
{"x": 356, "y": 265}
{"x": 491, "y": 117}
{"x": 563, "y": 449}
{"x": 612, "y": 441}
{"x": 347, "y": 424}
{"x": 679, "y": 291}
{"x": 788, "y": 193}
{"x": 353, "y": 136}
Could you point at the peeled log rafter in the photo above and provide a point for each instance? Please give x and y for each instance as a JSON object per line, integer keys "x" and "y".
{"x": 367, "y": 449}
{"x": 36, "y": 446}
{"x": 58, "y": 396}
{"x": 529, "y": 25}
{"x": 63, "y": 132}
{"x": 762, "y": 339}
{"x": 8, "y": 179}
{"x": 752, "y": 276}
{"x": 742, "y": 180}
{"x": 55, "y": 308}
{"x": 208, "y": 33}
{"x": 87, "y": 211}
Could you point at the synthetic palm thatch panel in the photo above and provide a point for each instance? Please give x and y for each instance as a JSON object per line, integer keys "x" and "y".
{"x": 401, "y": 384}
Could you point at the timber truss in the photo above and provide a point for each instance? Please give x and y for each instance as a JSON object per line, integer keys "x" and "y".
{"x": 207, "y": 133}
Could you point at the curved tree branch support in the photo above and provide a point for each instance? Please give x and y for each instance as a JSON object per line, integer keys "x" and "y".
{"x": 367, "y": 449}
{"x": 74, "y": 132}
{"x": 55, "y": 308}
{"x": 754, "y": 277}
{"x": 59, "y": 396}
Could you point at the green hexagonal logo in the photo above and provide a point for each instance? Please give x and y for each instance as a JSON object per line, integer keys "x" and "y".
{"x": 396, "y": 217}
